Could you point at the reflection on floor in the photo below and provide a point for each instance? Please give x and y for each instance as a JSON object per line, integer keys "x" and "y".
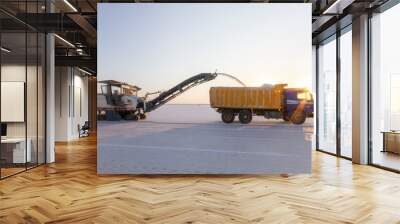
{"x": 70, "y": 191}
{"x": 12, "y": 169}
{"x": 387, "y": 159}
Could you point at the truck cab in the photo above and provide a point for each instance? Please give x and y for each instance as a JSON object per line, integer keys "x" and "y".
{"x": 298, "y": 104}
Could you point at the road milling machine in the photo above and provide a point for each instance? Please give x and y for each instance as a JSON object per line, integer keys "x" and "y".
{"x": 119, "y": 100}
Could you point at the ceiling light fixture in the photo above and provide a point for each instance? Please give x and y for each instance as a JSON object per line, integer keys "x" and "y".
{"x": 64, "y": 40}
{"x": 84, "y": 71}
{"x": 5, "y": 50}
{"x": 70, "y": 5}
{"x": 329, "y": 9}
{"x": 79, "y": 51}
{"x": 337, "y": 7}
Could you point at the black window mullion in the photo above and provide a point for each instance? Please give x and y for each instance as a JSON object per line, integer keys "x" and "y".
{"x": 37, "y": 90}
{"x": 369, "y": 89}
{"x": 338, "y": 82}
{"x": 26, "y": 86}
{"x": 316, "y": 100}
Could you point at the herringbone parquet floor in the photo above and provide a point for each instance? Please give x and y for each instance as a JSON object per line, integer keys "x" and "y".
{"x": 70, "y": 191}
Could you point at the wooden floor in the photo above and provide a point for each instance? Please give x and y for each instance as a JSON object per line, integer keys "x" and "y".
{"x": 70, "y": 191}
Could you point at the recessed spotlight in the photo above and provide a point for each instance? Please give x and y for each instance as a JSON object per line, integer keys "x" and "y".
{"x": 84, "y": 71}
{"x": 64, "y": 40}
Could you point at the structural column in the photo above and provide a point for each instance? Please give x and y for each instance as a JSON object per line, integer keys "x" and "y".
{"x": 50, "y": 99}
{"x": 50, "y": 92}
{"x": 360, "y": 89}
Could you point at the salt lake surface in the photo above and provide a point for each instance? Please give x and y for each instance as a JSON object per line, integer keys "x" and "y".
{"x": 192, "y": 139}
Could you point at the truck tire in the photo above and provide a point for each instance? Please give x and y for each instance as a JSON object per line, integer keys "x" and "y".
{"x": 245, "y": 116}
{"x": 142, "y": 116}
{"x": 130, "y": 116}
{"x": 227, "y": 116}
{"x": 286, "y": 117}
{"x": 298, "y": 117}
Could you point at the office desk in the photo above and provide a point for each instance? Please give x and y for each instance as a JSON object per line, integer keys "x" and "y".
{"x": 391, "y": 141}
{"x": 13, "y": 150}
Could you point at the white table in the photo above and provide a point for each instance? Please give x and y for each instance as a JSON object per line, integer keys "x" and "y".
{"x": 19, "y": 153}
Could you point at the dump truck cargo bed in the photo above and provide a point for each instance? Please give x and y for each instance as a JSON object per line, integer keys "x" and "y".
{"x": 268, "y": 98}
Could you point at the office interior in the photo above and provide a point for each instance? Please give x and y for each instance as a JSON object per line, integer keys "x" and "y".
{"x": 43, "y": 100}
{"x": 48, "y": 71}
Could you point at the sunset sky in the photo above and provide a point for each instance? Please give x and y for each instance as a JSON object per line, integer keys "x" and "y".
{"x": 156, "y": 46}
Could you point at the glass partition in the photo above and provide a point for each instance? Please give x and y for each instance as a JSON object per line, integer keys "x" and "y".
{"x": 14, "y": 154}
{"x": 31, "y": 97}
{"x": 22, "y": 78}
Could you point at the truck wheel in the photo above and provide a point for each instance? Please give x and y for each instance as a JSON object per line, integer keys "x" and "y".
{"x": 298, "y": 117}
{"x": 286, "y": 117}
{"x": 130, "y": 116}
{"x": 245, "y": 116}
{"x": 227, "y": 116}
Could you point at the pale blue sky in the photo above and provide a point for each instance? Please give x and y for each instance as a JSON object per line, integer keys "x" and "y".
{"x": 156, "y": 46}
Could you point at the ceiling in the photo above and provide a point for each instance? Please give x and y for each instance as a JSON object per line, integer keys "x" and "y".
{"x": 75, "y": 21}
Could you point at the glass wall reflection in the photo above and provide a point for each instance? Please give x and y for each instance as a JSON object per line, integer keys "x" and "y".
{"x": 327, "y": 96}
{"x": 22, "y": 92}
{"x": 385, "y": 114}
{"x": 346, "y": 94}
{"x": 14, "y": 153}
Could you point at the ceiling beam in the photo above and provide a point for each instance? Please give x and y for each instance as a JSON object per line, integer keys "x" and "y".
{"x": 77, "y": 61}
{"x": 86, "y": 27}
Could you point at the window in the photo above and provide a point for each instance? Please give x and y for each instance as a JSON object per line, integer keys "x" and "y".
{"x": 115, "y": 90}
{"x": 346, "y": 94}
{"x": 385, "y": 89}
{"x": 327, "y": 96}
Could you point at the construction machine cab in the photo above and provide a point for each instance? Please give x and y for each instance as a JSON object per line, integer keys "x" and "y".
{"x": 115, "y": 90}
{"x": 112, "y": 87}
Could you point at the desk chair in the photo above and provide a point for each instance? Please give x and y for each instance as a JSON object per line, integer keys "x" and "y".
{"x": 84, "y": 130}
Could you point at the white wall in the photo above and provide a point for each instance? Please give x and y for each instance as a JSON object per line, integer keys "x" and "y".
{"x": 80, "y": 109}
{"x": 69, "y": 112}
{"x": 16, "y": 73}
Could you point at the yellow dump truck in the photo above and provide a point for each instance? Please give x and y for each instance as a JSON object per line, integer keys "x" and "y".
{"x": 277, "y": 101}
